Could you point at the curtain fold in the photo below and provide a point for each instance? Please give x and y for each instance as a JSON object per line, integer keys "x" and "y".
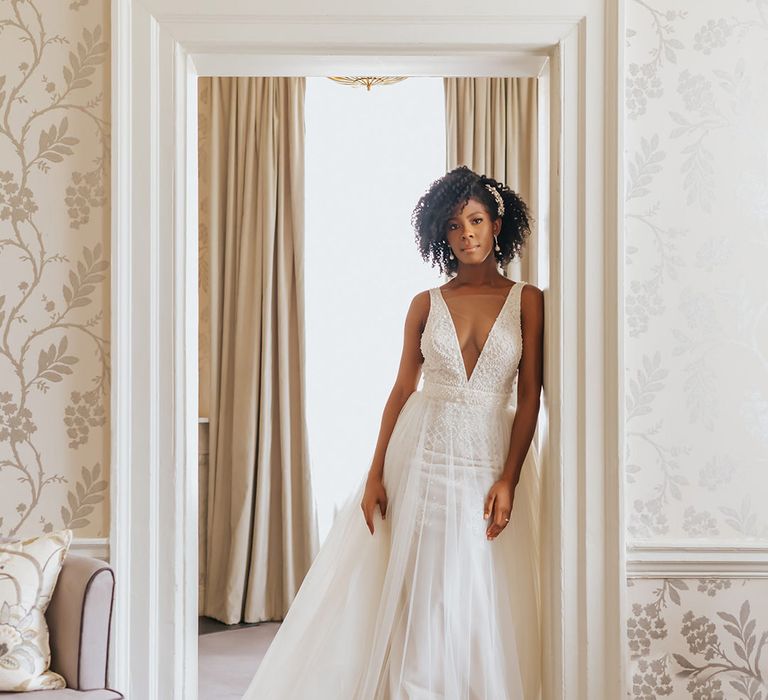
{"x": 491, "y": 127}
{"x": 261, "y": 523}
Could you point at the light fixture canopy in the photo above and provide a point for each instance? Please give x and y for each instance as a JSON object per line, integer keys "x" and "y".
{"x": 366, "y": 81}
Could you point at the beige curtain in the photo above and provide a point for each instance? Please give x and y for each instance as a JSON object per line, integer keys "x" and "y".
{"x": 261, "y": 521}
{"x": 491, "y": 127}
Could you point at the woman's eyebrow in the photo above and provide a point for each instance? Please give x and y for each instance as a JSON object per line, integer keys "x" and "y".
{"x": 472, "y": 214}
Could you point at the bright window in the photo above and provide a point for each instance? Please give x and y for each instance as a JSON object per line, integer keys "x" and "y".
{"x": 369, "y": 157}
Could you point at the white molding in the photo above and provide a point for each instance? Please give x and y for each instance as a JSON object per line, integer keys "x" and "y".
{"x": 397, "y": 63}
{"x": 560, "y": 22}
{"x": 97, "y": 547}
{"x": 610, "y": 348}
{"x": 156, "y": 58}
{"x": 706, "y": 559}
{"x": 122, "y": 513}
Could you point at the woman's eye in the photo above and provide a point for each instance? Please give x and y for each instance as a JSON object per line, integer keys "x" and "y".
{"x": 478, "y": 218}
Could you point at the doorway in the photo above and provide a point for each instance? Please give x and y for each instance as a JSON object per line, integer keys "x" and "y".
{"x": 154, "y": 451}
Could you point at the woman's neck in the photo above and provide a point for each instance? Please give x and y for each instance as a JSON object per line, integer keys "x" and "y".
{"x": 477, "y": 276}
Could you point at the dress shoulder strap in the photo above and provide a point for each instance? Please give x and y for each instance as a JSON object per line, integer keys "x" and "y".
{"x": 433, "y": 292}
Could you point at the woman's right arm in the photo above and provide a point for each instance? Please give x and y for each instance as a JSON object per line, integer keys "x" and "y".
{"x": 408, "y": 375}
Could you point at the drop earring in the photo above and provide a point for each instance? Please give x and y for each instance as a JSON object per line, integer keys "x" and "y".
{"x": 450, "y": 253}
{"x": 496, "y": 248}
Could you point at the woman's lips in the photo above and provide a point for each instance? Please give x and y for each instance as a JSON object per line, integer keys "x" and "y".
{"x": 469, "y": 250}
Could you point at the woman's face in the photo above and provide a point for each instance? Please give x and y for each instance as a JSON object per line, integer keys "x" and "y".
{"x": 470, "y": 232}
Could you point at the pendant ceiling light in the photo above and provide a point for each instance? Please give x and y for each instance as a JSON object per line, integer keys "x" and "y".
{"x": 368, "y": 82}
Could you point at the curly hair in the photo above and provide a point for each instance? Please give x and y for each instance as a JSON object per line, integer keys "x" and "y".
{"x": 442, "y": 198}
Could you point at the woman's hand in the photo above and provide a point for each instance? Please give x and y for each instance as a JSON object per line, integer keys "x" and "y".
{"x": 498, "y": 505}
{"x": 374, "y": 493}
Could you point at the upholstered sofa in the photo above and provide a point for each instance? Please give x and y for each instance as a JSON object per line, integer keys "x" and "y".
{"x": 79, "y": 619}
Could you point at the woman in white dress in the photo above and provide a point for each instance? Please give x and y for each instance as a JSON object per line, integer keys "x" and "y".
{"x": 432, "y": 592}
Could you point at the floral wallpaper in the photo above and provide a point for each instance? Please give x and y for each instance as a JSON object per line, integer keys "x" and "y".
{"x": 54, "y": 255}
{"x": 696, "y": 342}
{"x": 696, "y": 307}
{"x": 697, "y": 293}
{"x": 698, "y": 638}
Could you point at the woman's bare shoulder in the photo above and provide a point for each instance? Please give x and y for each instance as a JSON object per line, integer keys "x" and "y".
{"x": 530, "y": 291}
{"x": 531, "y": 301}
{"x": 419, "y": 307}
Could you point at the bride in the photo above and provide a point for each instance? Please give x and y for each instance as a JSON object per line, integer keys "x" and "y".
{"x": 432, "y": 591}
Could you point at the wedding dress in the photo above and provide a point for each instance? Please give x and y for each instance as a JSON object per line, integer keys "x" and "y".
{"x": 427, "y": 607}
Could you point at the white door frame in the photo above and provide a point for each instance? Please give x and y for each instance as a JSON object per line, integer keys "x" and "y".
{"x": 160, "y": 47}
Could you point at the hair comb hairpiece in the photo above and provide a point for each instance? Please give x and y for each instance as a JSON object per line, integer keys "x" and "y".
{"x": 497, "y": 197}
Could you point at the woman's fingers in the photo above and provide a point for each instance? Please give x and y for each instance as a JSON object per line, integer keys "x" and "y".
{"x": 368, "y": 511}
{"x": 489, "y": 501}
{"x": 499, "y": 519}
{"x": 368, "y": 519}
{"x": 499, "y": 523}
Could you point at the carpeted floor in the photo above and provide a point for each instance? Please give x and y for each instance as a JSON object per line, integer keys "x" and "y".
{"x": 228, "y": 659}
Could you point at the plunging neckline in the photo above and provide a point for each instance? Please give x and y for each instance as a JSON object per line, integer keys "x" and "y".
{"x": 457, "y": 343}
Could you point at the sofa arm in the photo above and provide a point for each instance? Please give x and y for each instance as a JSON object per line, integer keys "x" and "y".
{"x": 79, "y": 618}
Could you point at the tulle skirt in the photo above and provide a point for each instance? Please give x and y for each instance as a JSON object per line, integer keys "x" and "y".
{"x": 426, "y": 608}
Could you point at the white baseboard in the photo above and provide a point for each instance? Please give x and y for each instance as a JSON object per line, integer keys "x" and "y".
{"x": 709, "y": 559}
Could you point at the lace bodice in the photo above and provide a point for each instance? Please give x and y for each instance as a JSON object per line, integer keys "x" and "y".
{"x": 493, "y": 378}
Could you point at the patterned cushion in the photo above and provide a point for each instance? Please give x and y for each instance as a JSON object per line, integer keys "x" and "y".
{"x": 28, "y": 573}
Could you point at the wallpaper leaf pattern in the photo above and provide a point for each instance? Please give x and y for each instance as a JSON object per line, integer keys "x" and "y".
{"x": 696, "y": 306}
{"x": 54, "y": 225}
{"x": 720, "y": 651}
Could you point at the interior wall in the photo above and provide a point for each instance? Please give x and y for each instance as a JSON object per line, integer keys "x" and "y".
{"x": 697, "y": 374}
{"x": 696, "y": 226}
{"x": 55, "y": 258}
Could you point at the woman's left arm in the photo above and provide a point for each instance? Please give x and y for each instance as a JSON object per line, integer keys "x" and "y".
{"x": 498, "y": 502}
{"x": 529, "y": 382}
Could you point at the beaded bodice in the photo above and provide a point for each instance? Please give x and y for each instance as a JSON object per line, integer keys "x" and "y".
{"x": 492, "y": 379}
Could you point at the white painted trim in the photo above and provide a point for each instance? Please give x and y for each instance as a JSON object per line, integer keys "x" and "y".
{"x": 560, "y": 22}
{"x": 706, "y": 559}
{"x": 496, "y": 63}
{"x": 612, "y": 563}
{"x": 121, "y": 399}
{"x": 561, "y": 533}
{"x": 97, "y": 547}
{"x": 157, "y": 55}
{"x": 186, "y": 390}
